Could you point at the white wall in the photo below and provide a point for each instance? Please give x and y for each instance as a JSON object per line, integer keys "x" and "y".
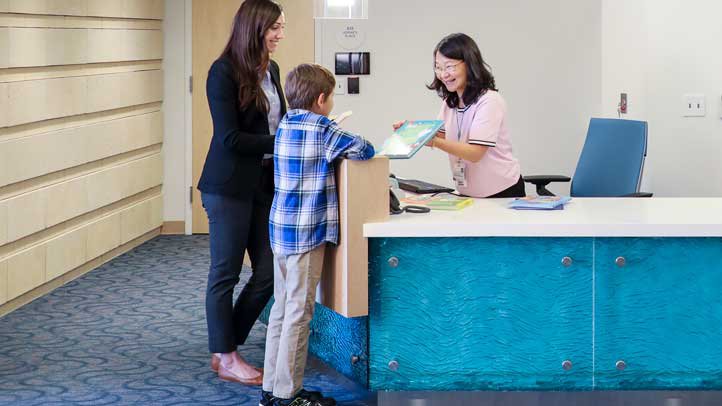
{"x": 557, "y": 63}
{"x": 546, "y": 57}
{"x": 656, "y": 51}
{"x": 175, "y": 88}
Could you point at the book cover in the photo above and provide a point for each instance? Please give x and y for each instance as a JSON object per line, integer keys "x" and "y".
{"x": 539, "y": 203}
{"x": 409, "y": 138}
{"x": 441, "y": 201}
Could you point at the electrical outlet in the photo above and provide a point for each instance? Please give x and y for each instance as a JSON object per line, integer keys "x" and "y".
{"x": 693, "y": 105}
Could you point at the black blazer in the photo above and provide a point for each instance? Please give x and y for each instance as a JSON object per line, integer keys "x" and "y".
{"x": 240, "y": 138}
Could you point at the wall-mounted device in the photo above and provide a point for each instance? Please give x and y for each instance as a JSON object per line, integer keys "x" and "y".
{"x": 353, "y": 63}
{"x": 623, "y": 103}
{"x": 353, "y": 85}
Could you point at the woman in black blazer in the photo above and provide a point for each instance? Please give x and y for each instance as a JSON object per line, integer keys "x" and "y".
{"x": 246, "y": 104}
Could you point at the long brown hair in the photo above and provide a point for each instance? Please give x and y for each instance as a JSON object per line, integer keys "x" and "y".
{"x": 246, "y": 49}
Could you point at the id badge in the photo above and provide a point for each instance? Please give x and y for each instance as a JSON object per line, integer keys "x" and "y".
{"x": 460, "y": 174}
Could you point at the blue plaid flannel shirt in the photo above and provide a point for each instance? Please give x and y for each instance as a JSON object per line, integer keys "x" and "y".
{"x": 304, "y": 213}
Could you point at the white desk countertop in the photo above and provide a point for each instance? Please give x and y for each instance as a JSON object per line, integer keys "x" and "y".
{"x": 582, "y": 217}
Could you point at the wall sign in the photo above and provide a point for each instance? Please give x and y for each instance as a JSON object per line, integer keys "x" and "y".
{"x": 350, "y": 36}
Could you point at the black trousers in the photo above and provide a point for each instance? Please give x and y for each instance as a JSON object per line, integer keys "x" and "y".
{"x": 516, "y": 190}
{"x": 237, "y": 225}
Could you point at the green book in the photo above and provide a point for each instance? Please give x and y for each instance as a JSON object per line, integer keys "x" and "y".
{"x": 440, "y": 201}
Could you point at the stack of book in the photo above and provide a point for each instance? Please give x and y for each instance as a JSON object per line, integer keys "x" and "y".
{"x": 539, "y": 203}
{"x": 439, "y": 201}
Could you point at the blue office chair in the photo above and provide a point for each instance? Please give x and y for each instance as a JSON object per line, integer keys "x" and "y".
{"x": 610, "y": 164}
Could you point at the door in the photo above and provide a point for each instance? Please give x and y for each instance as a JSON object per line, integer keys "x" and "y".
{"x": 658, "y": 313}
{"x": 480, "y": 314}
{"x": 212, "y": 22}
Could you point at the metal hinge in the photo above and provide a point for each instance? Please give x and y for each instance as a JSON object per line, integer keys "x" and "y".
{"x": 190, "y": 193}
{"x": 190, "y": 83}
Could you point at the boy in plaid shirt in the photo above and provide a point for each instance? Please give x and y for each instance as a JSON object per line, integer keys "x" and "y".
{"x": 304, "y": 217}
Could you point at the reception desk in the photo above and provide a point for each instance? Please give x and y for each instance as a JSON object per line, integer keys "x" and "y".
{"x": 606, "y": 294}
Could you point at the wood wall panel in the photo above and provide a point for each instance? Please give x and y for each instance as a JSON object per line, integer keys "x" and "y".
{"x": 105, "y": 8}
{"x": 153, "y": 9}
{"x": 26, "y": 271}
{"x": 66, "y": 253}
{"x": 134, "y": 221}
{"x": 66, "y": 200}
{"x": 54, "y": 7}
{"x": 140, "y": 9}
{"x": 134, "y": 177}
{"x": 119, "y": 136}
{"x": 103, "y": 236}
{"x": 124, "y": 45}
{"x": 26, "y": 214}
{"x": 37, "y": 210}
{"x": 46, "y": 46}
{"x": 81, "y": 129}
{"x": 3, "y": 282}
{"x": 145, "y": 9}
{"x": 53, "y": 258}
{"x": 3, "y": 107}
{"x": 58, "y": 150}
{"x": 142, "y": 45}
{"x": 32, "y": 101}
{"x": 37, "y": 100}
{"x": 4, "y": 50}
{"x": 3, "y": 223}
{"x": 44, "y": 21}
{"x": 106, "y": 92}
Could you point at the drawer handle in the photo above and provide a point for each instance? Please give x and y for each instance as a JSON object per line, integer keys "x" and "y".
{"x": 621, "y": 365}
{"x": 567, "y": 365}
{"x": 620, "y": 261}
{"x": 393, "y": 262}
{"x": 394, "y": 365}
{"x": 567, "y": 261}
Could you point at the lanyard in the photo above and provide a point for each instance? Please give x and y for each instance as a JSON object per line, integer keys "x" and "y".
{"x": 459, "y": 123}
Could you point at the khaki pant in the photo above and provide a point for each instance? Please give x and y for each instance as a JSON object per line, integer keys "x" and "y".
{"x": 294, "y": 290}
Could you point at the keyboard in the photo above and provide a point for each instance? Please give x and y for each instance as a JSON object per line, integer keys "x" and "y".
{"x": 421, "y": 187}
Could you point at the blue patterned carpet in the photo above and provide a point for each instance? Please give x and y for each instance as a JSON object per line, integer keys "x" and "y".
{"x": 133, "y": 332}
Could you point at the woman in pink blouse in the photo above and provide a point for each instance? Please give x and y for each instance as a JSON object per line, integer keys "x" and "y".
{"x": 475, "y": 134}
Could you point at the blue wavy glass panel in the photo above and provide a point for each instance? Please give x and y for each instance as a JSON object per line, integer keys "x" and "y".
{"x": 340, "y": 342}
{"x": 661, "y": 313}
{"x": 480, "y": 314}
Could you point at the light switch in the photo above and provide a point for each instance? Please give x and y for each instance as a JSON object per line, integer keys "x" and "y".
{"x": 340, "y": 86}
{"x": 693, "y": 105}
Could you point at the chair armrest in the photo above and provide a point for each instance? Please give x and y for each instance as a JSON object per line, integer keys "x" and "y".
{"x": 638, "y": 194}
{"x": 540, "y": 181}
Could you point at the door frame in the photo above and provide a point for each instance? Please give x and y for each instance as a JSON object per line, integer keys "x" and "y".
{"x": 188, "y": 106}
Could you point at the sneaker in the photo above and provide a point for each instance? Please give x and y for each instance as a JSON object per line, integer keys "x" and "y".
{"x": 316, "y": 397}
{"x": 266, "y": 398}
{"x": 302, "y": 398}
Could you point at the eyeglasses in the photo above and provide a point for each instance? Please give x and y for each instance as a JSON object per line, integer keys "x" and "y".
{"x": 450, "y": 68}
